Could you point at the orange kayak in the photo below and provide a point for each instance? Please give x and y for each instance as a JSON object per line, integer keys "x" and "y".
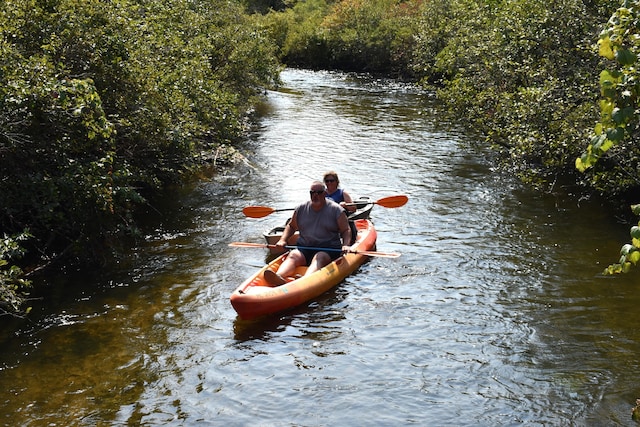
{"x": 255, "y": 297}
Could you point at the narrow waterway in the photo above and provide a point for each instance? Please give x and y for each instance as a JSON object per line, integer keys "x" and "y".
{"x": 495, "y": 314}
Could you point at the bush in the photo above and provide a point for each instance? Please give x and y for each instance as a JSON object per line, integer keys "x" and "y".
{"x": 101, "y": 102}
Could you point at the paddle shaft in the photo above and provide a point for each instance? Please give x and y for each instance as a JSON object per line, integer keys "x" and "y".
{"x": 387, "y": 202}
{"x": 264, "y": 245}
{"x": 367, "y": 253}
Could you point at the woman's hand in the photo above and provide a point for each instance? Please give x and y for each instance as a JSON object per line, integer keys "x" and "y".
{"x": 348, "y": 207}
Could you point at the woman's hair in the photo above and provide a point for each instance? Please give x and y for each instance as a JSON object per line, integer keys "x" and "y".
{"x": 333, "y": 174}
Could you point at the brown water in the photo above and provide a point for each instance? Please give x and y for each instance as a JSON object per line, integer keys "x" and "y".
{"x": 494, "y": 315}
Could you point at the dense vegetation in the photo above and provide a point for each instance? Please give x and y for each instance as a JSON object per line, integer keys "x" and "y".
{"x": 527, "y": 74}
{"x": 613, "y": 149}
{"x": 102, "y": 103}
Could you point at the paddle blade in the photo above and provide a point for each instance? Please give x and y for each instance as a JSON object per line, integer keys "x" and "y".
{"x": 257, "y": 211}
{"x": 393, "y": 201}
{"x": 248, "y": 245}
{"x": 379, "y": 254}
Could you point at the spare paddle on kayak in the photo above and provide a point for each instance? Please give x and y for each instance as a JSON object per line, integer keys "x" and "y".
{"x": 386, "y": 202}
{"x": 367, "y": 253}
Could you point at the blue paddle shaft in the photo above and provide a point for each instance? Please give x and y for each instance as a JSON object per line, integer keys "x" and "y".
{"x": 311, "y": 248}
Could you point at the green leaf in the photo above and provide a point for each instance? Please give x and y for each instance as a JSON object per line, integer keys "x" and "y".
{"x": 613, "y": 269}
{"x": 622, "y": 115}
{"x": 613, "y": 135}
{"x": 610, "y": 78}
{"x": 581, "y": 165}
{"x": 598, "y": 130}
{"x": 605, "y": 48}
{"x": 626, "y": 57}
{"x": 634, "y": 257}
{"x": 626, "y": 249}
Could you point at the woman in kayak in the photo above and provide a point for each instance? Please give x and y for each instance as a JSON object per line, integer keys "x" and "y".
{"x": 322, "y": 223}
{"x": 337, "y": 194}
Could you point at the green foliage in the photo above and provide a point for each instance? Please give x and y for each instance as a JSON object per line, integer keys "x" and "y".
{"x": 630, "y": 252}
{"x": 354, "y": 35}
{"x": 299, "y": 35}
{"x": 611, "y": 160}
{"x": 520, "y": 70}
{"x": 103, "y": 101}
{"x": 264, "y": 6}
{"x": 617, "y": 131}
{"x": 13, "y": 286}
{"x": 373, "y": 35}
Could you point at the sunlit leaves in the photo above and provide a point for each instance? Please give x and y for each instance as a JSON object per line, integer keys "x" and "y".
{"x": 630, "y": 252}
{"x": 521, "y": 73}
{"x": 605, "y": 48}
{"x": 609, "y": 81}
{"x": 376, "y": 35}
{"x": 619, "y": 87}
{"x": 619, "y": 119}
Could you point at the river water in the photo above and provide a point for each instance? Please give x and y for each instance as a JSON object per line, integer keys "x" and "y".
{"x": 495, "y": 314}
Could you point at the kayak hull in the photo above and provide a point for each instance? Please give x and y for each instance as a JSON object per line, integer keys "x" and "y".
{"x": 255, "y": 297}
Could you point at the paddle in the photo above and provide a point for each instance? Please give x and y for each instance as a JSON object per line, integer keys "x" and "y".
{"x": 264, "y": 245}
{"x": 261, "y": 211}
{"x": 387, "y": 202}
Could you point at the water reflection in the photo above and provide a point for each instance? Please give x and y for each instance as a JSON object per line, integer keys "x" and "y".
{"x": 310, "y": 321}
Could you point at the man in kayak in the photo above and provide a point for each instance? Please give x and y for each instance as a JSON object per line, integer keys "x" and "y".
{"x": 322, "y": 223}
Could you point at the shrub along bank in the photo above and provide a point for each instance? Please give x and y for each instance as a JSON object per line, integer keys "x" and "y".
{"x": 532, "y": 76}
{"x": 104, "y": 102}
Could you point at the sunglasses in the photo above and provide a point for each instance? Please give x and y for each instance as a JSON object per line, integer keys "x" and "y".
{"x": 329, "y": 180}
{"x": 312, "y": 192}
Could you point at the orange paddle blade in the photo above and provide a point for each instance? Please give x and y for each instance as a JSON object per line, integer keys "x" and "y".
{"x": 393, "y": 201}
{"x": 257, "y": 211}
{"x": 261, "y": 211}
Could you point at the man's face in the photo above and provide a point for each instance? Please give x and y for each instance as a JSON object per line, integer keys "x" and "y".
{"x": 317, "y": 194}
